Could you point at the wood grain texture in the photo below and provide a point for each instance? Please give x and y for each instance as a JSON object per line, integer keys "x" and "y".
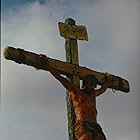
{"x": 71, "y": 49}
{"x": 34, "y": 60}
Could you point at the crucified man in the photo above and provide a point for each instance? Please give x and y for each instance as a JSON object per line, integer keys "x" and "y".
{"x": 84, "y": 104}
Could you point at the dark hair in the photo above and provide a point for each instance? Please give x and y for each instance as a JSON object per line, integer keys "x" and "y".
{"x": 91, "y": 78}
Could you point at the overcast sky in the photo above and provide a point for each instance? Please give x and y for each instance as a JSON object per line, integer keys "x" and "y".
{"x": 33, "y": 103}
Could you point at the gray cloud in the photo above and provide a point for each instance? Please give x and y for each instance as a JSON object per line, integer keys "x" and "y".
{"x": 33, "y": 103}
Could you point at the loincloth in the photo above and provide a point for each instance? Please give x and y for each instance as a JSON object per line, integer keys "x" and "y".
{"x": 82, "y": 127}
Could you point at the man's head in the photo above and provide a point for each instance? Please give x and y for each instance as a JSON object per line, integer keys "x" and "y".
{"x": 89, "y": 82}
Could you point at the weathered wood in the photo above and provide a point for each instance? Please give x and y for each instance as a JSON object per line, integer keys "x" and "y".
{"x": 71, "y": 68}
{"x": 65, "y": 68}
{"x": 71, "y": 48}
{"x": 73, "y": 31}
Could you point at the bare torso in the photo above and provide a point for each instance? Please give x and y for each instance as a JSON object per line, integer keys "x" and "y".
{"x": 84, "y": 106}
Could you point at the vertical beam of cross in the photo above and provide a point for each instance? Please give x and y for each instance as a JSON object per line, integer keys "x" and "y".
{"x": 71, "y": 48}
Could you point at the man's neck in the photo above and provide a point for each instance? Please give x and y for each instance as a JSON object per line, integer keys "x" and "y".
{"x": 89, "y": 91}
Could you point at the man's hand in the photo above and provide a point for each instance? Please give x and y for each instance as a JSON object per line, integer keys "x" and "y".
{"x": 110, "y": 79}
{"x": 44, "y": 59}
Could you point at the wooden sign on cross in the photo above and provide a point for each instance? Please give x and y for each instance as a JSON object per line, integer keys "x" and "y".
{"x": 73, "y": 31}
{"x": 70, "y": 68}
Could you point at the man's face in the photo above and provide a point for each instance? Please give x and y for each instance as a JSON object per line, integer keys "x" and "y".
{"x": 90, "y": 84}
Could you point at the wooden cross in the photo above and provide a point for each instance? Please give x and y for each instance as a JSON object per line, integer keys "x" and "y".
{"x": 70, "y": 68}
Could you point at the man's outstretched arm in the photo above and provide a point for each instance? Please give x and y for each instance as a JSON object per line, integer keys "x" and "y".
{"x": 103, "y": 88}
{"x": 106, "y": 85}
{"x": 67, "y": 84}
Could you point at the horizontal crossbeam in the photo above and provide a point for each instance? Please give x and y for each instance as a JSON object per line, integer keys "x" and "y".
{"x": 33, "y": 59}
